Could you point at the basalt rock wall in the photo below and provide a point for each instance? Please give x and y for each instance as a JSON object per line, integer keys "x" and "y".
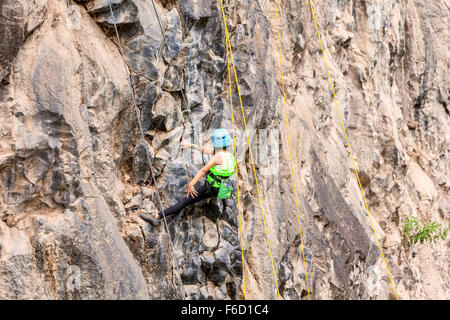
{"x": 74, "y": 174}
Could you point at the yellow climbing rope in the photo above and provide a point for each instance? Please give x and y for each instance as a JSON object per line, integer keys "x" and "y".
{"x": 228, "y": 44}
{"x": 349, "y": 149}
{"x": 237, "y": 177}
{"x": 290, "y": 153}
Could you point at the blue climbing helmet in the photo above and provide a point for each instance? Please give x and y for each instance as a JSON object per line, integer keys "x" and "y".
{"x": 221, "y": 138}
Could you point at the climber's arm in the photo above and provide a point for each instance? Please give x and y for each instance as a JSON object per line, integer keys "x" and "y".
{"x": 207, "y": 150}
{"x": 191, "y": 190}
{"x": 201, "y": 149}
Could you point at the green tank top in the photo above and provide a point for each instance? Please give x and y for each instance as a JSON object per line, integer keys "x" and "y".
{"x": 226, "y": 169}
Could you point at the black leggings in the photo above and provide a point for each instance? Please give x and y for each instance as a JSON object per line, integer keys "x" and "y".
{"x": 204, "y": 192}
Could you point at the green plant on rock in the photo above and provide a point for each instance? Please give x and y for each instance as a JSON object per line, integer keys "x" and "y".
{"x": 432, "y": 231}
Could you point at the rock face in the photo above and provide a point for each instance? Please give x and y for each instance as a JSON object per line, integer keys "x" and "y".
{"x": 74, "y": 174}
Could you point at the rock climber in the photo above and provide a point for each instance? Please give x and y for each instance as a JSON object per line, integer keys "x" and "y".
{"x": 219, "y": 169}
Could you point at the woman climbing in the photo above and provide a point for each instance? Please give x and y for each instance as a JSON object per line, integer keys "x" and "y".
{"x": 220, "y": 168}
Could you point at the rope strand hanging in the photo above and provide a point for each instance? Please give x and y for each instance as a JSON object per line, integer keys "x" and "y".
{"x": 237, "y": 175}
{"x": 290, "y": 152}
{"x": 348, "y": 144}
{"x": 136, "y": 109}
{"x": 228, "y": 44}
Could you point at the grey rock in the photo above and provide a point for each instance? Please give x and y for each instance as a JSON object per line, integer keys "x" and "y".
{"x": 174, "y": 39}
{"x": 174, "y": 182}
{"x": 207, "y": 260}
{"x": 166, "y": 114}
{"x": 38, "y": 165}
{"x": 285, "y": 273}
{"x": 204, "y": 294}
{"x": 221, "y": 292}
{"x": 18, "y": 19}
{"x": 69, "y": 149}
{"x": 95, "y": 6}
{"x": 192, "y": 292}
{"x": 192, "y": 273}
{"x": 148, "y": 206}
{"x": 194, "y": 84}
{"x": 217, "y": 276}
{"x": 196, "y": 9}
{"x": 237, "y": 265}
{"x": 147, "y": 94}
{"x": 140, "y": 165}
{"x": 222, "y": 256}
{"x": 168, "y": 143}
{"x": 146, "y": 192}
{"x": 227, "y": 232}
{"x": 142, "y": 52}
{"x": 173, "y": 79}
{"x": 135, "y": 202}
{"x": 125, "y": 13}
{"x": 13, "y": 34}
{"x": 210, "y": 238}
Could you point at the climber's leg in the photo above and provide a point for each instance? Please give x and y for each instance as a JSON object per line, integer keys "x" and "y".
{"x": 204, "y": 192}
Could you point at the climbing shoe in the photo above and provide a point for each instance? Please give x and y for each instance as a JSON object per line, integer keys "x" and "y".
{"x": 150, "y": 218}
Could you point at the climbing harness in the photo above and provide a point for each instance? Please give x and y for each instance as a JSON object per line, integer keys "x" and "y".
{"x": 348, "y": 144}
{"x": 290, "y": 153}
{"x": 230, "y": 55}
{"x": 136, "y": 109}
{"x": 224, "y": 185}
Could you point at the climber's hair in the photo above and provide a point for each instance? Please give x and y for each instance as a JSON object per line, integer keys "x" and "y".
{"x": 221, "y": 148}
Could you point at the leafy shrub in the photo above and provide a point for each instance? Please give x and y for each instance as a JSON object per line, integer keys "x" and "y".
{"x": 413, "y": 232}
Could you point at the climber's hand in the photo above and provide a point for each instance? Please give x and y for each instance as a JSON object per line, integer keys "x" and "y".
{"x": 185, "y": 145}
{"x": 191, "y": 191}
{"x": 208, "y": 150}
